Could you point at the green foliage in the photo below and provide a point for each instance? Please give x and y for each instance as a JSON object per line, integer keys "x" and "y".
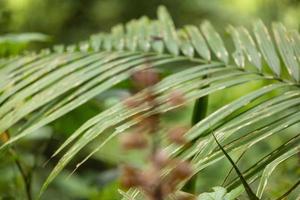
{"x": 42, "y": 87}
{"x": 248, "y": 189}
{"x": 218, "y": 194}
{"x": 14, "y": 44}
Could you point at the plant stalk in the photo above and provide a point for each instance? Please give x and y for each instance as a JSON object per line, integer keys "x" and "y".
{"x": 199, "y": 113}
{"x": 25, "y": 176}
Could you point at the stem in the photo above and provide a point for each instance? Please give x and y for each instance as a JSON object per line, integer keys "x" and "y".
{"x": 25, "y": 176}
{"x": 200, "y": 110}
{"x": 232, "y": 168}
{"x": 199, "y": 113}
{"x": 247, "y": 187}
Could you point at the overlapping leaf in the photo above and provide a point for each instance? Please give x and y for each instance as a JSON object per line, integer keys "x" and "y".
{"x": 44, "y": 86}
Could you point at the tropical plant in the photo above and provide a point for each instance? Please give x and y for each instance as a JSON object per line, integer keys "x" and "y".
{"x": 41, "y": 87}
{"x": 14, "y": 44}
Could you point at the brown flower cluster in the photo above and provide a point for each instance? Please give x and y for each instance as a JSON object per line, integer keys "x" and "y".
{"x": 151, "y": 180}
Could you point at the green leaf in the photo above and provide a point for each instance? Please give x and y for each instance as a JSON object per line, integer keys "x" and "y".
{"x": 101, "y": 125}
{"x": 45, "y": 86}
{"x": 118, "y": 37}
{"x": 198, "y": 42}
{"x": 219, "y": 193}
{"x": 91, "y": 88}
{"x": 290, "y": 190}
{"x": 295, "y": 38}
{"x": 96, "y": 41}
{"x": 263, "y": 162}
{"x": 248, "y": 189}
{"x": 238, "y": 55}
{"x": 200, "y": 129}
{"x": 249, "y": 48}
{"x": 286, "y": 50}
{"x": 131, "y": 35}
{"x": 185, "y": 44}
{"x": 24, "y": 38}
{"x": 267, "y": 47}
{"x": 157, "y": 37}
{"x": 271, "y": 167}
{"x": 168, "y": 29}
{"x": 215, "y": 41}
{"x": 144, "y": 36}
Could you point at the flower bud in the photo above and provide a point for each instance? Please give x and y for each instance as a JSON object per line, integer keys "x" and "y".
{"x": 176, "y": 135}
{"x": 129, "y": 177}
{"x": 149, "y": 97}
{"x": 166, "y": 189}
{"x": 132, "y": 102}
{"x": 176, "y": 98}
{"x": 150, "y": 180}
{"x": 160, "y": 159}
{"x": 182, "y": 171}
{"x": 150, "y": 124}
{"x": 134, "y": 141}
{"x": 145, "y": 77}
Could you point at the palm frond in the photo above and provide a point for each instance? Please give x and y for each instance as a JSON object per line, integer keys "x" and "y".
{"x": 248, "y": 189}
{"x": 45, "y": 86}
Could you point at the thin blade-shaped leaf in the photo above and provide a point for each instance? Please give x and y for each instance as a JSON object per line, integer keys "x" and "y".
{"x": 198, "y": 41}
{"x": 295, "y": 37}
{"x": 249, "y": 48}
{"x": 267, "y": 47}
{"x": 185, "y": 44}
{"x": 215, "y": 42}
{"x": 238, "y": 55}
{"x": 248, "y": 189}
{"x": 271, "y": 167}
{"x": 91, "y": 134}
{"x": 286, "y": 50}
{"x": 169, "y": 32}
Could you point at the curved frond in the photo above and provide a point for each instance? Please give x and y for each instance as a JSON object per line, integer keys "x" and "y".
{"x": 45, "y": 86}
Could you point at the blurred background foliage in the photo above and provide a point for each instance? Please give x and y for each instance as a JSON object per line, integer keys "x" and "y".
{"x": 67, "y": 21}
{"x": 72, "y": 20}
